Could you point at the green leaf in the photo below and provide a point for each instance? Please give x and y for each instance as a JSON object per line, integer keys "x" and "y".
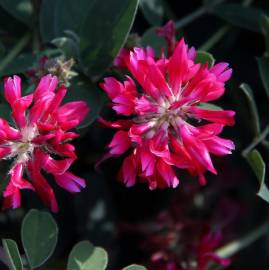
{"x": 20, "y": 9}
{"x": 83, "y": 89}
{"x": 5, "y": 112}
{"x": 254, "y": 119}
{"x": 135, "y": 267}
{"x": 68, "y": 46}
{"x": 84, "y": 256}
{"x": 13, "y": 255}
{"x": 257, "y": 164}
{"x": 47, "y": 20}
{"x": 241, "y": 16}
{"x": 263, "y": 64}
{"x": 153, "y": 11}
{"x": 265, "y": 31}
{"x": 150, "y": 38}
{"x": 204, "y": 57}
{"x": 20, "y": 64}
{"x": 210, "y": 106}
{"x": 39, "y": 235}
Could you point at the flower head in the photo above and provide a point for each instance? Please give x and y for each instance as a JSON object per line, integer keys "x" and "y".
{"x": 165, "y": 124}
{"x": 38, "y": 141}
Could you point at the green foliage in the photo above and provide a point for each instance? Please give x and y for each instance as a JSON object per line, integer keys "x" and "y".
{"x": 241, "y": 16}
{"x": 263, "y": 64}
{"x": 150, "y": 38}
{"x": 85, "y": 256}
{"x": 153, "y": 11}
{"x": 12, "y": 254}
{"x": 134, "y": 267}
{"x": 257, "y": 164}
{"x": 265, "y": 31}
{"x": 39, "y": 235}
{"x": 253, "y": 117}
{"x": 19, "y": 9}
{"x": 97, "y": 48}
{"x": 205, "y": 57}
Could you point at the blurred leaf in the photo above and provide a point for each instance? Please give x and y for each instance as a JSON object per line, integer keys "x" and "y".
{"x": 69, "y": 47}
{"x": 210, "y": 106}
{"x": 204, "y": 57}
{"x": 47, "y": 20}
{"x": 39, "y": 234}
{"x": 153, "y": 11}
{"x": 254, "y": 119}
{"x": 150, "y": 38}
{"x": 84, "y": 256}
{"x": 135, "y": 267}
{"x": 20, "y": 9}
{"x": 20, "y": 64}
{"x": 12, "y": 254}
{"x": 210, "y": 3}
{"x": 2, "y": 49}
{"x": 265, "y": 31}
{"x": 83, "y": 89}
{"x": 263, "y": 64}
{"x": 257, "y": 164}
{"x": 238, "y": 15}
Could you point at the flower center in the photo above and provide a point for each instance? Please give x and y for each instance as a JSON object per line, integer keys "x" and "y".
{"x": 24, "y": 148}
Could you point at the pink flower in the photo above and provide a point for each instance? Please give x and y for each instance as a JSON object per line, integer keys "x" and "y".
{"x": 39, "y": 134}
{"x": 209, "y": 241}
{"x": 158, "y": 134}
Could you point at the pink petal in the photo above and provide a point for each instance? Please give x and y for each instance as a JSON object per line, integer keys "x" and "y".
{"x": 12, "y": 89}
{"x": 120, "y": 143}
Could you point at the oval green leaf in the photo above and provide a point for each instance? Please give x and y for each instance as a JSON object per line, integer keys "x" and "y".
{"x": 12, "y": 254}
{"x": 135, "y": 267}
{"x": 241, "y": 16}
{"x": 39, "y": 235}
{"x": 257, "y": 164}
{"x": 204, "y": 57}
{"x": 84, "y": 256}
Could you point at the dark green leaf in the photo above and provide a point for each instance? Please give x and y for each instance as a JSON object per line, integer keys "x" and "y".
{"x": 204, "y": 57}
{"x": 47, "y": 20}
{"x": 135, "y": 267}
{"x": 20, "y": 9}
{"x": 101, "y": 40}
{"x": 263, "y": 64}
{"x": 153, "y": 11}
{"x": 5, "y": 112}
{"x": 39, "y": 235}
{"x": 257, "y": 164}
{"x": 84, "y": 256}
{"x": 241, "y": 16}
{"x": 12, "y": 254}
{"x": 83, "y": 89}
{"x": 150, "y": 38}
{"x": 69, "y": 47}
{"x": 20, "y": 64}
{"x": 252, "y": 109}
{"x": 265, "y": 31}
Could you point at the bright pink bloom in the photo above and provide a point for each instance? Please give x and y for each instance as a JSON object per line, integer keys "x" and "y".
{"x": 158, "y": 134}
{"x": 39, "y": 134}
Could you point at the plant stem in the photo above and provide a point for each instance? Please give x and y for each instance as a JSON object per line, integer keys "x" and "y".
{"x": 215, "y": 38}
{"x": 237, "y": 245}
{"x": 15, "y": 51}
{"x": 190, "y": 17}
{"x": 256, "y": 141}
